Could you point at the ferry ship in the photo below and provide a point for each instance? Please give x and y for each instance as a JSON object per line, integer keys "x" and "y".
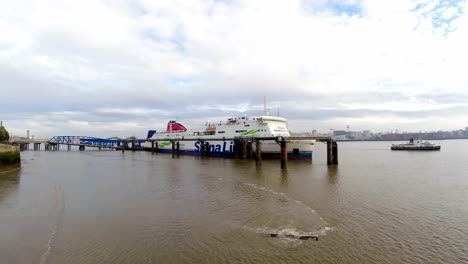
{"x": 244, "y": 126}
{"x": 416, "y": 145}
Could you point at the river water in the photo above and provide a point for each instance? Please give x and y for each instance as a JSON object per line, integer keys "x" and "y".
{"x": 376, "y": 206}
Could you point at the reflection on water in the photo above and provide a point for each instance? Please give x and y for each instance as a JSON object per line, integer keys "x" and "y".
{"x": 333, "y": 174}
{"x": 376, "y": 206}
{"x": 9, "y": 181}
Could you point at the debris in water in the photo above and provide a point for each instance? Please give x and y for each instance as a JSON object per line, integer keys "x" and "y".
{"x": 293, "y": 236}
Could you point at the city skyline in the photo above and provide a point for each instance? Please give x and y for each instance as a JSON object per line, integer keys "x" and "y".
{"x": 118, "y": 69}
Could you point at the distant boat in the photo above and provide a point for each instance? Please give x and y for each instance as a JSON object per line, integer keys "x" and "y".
{"x": 416, "y": 145}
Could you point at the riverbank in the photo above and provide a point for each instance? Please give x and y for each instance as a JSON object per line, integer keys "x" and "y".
{"x": 9, "y": 156}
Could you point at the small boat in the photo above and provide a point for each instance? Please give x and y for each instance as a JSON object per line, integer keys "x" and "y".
{"x": 416, "y": 145}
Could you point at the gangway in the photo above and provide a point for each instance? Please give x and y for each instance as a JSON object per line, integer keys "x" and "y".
{"x": 83, "y": 141}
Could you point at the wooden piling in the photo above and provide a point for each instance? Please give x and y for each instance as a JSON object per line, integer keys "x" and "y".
{"x": 244, "y": 149}
{"x": 335, "y": 153}
{"x": 258, "y": 149}
{"x": 173, "y": 149}
{"x": 235, "y": 148}
{"x": 223, "y": 152}
{"x": 152, "y": 147}
{"x": 202, "y": 148}
{"x": 177, "y": 148}
{"x": 69, "y": 147}
{"x": 332, "y": 152}
{"x": 284, "y": 154}
{"x": 207, "y": 149}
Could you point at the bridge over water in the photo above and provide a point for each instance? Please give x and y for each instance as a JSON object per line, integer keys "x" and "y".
{"x": 81, "y": 141}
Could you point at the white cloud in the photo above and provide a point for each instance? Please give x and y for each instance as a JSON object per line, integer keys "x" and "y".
{"x": 200, "y": 59}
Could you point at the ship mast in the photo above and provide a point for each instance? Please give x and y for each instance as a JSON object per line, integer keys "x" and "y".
{"x": 266, "y": 111}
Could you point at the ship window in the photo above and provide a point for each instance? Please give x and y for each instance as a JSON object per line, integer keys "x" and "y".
{"x": 221, "y": 132}
{"x": 240, "y": 131}
{"x": 247, "y": 125}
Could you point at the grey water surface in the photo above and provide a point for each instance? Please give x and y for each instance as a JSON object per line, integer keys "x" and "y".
{"x": 376, "y": 206}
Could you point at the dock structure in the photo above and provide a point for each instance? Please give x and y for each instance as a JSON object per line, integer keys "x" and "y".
{"x": 243, "y": 146}
{"x": 25, "y": 143}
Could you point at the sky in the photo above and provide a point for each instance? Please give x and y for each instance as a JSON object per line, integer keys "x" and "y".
{"x": 119, "y": 68}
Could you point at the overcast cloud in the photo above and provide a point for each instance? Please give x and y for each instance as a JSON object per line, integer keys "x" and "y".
{"x": 119, "y": 68}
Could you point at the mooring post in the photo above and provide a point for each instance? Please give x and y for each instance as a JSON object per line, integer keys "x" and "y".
{"x": 329, "y": 152}
{"x": 122, "y": 145}
{"x": 69, "y": 147}
{"x": 223, "y": 152}
{"x": 133, "y": 145}
{"x": 235, "y": 148}
{"x": 202, "y": 148}
{"x": 258, "y": 149}
{"x": 152, "y": 147}
{"x": 244, "y": 149}
{"x": 249, "y": 150}
{"x": 207, "y": 149}
{"x": 284, "y": 154}
{"x": 173, "y": 149}
{"x": 177, "y": 148}
{"x": 335, "y": 153}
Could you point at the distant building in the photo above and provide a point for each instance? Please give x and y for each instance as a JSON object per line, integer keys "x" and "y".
{"x": 366, "y": 134}
{"x": 340, "y": 134}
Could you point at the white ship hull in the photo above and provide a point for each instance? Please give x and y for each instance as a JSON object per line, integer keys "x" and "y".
{"x": 264, "y": 126}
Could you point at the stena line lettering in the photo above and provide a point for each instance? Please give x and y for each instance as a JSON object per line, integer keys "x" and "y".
{"x": 224, "y": 147}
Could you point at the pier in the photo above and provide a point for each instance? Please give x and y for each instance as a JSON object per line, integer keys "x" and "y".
{"x": 243, "y": 146}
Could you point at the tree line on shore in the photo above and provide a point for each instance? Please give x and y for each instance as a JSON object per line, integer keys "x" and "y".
{"x": 4, "y": 135}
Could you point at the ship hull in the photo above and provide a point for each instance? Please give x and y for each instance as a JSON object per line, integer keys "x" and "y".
{"x": 427, "y": 148}
{"x": 270, "y": 150}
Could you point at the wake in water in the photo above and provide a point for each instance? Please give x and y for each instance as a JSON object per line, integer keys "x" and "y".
{"x": 285, "y": 218}
{"x": 60, "y": 207}
{"x": 285, "y": 197}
